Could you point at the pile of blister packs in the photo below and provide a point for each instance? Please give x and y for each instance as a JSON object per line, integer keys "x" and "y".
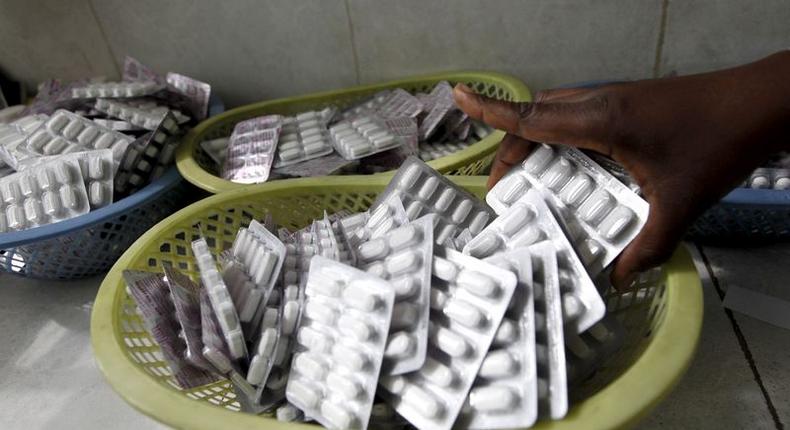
{"x": 375, "y": 134}
{"x": 83, "y": 145}
{"x": 432, "y": 309}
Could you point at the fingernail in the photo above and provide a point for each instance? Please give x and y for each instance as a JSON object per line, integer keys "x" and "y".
{"x": 463, "y": 87}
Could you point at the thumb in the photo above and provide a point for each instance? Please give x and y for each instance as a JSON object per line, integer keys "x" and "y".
{"x": 652, "y": 246}
{"x": 579, "y": 123}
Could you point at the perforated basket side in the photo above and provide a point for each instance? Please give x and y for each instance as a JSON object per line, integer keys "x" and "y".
{"x": 199, "y": 169}
{"x": 662, "y": 319}
{"x": 746, "y": 215}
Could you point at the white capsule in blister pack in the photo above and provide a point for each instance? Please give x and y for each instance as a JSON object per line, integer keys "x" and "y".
{"x": 216, "y": 149}
{"x": 602, "y": 215}
{"x": 324, "y": 238}
{"x": 96, "y": 168}
{"x": 303, "y": 137}
{"x": 221, "y": 301}
{"x": 423, "y": 191}
{"x": 404, "y": 258}
{"x": 529, "y": 220}
{"x": 433, "y": 150}
{"x": 42, "y": 195}
{"x": 586, "y": 352}
{"x": 365, "y": 107}
{"x": 262, "y": 354}
{"x": 344, "y": 229}
{"x": 505, "y": 393}
{"x": 363, "y": 136}
{"x": 116, "y": 89}
{"x": 386, "y": 217}
{"x": 13, "y": 137}
{"x": 469, "y": 299}
{"x": 262, "y": 255}
{"x": 549, "y": 349}
{"x": 250, "y": 153}
{"x": 142, "y": 118}
{"x": 340, "y": 344}
{"x": 66, "y": 132}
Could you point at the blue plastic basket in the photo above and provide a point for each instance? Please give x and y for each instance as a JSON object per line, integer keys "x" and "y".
{"x": 90, "y": 244}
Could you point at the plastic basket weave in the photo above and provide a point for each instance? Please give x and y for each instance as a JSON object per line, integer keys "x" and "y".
{"x": 89, "y": 244}
{"x": 662, "y": 319}
{"x": 200, "y": 170}
{"x": 746, "y": 216}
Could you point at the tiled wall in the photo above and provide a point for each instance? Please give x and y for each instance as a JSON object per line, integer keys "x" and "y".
{"x": 257, "y": 49}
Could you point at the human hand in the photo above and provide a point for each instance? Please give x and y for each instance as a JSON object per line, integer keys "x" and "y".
{"x": 686, "y": 140}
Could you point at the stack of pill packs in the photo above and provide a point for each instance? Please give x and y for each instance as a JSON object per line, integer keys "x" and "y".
{"x": 83, "y": 145}
{"x": 775, "y": 175}
{"x": 375, "y": 134}
{"x": 433, "y": 309}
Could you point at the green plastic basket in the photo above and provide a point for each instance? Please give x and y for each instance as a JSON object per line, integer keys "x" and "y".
{"x": 196, "y": 166}
{"x": 662, "y": 320}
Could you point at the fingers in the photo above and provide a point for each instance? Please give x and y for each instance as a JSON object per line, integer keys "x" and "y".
{"x": 578, "y": 123}
{"x": 560, "y": 94}
{"x": 512, "y": 150}
{"x": 651, "y": 247}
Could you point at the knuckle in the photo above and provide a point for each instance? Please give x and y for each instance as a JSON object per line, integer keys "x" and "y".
{"x": 525, "y": 110}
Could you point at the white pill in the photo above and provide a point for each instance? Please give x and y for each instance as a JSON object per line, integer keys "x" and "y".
{"x": 399, "y": 345}
{"x": 414, "y": 209}
{"x": 577, "y": 189}
{"x": 596, "y": 206}
{"x": 529, "y": 235}
{"x": 352, "y": 359}
{"x": 464, "y": 313}
{"x": 314, "y": 148}
{"x": 33, "y": 211}
{"x": 87, "y": 135}
{"x": 337, "y": 415}
{"x": 405, "y": 236}
{"x": 358, "y": 295}
{"x": 98, "y": 193}
{"x": 383, "y": 141}
{"x": 69, "y": 198}
{"x": 782, "y": 183}
{"x": 263, "y": 271}
{"x": 313, "y": 340}
{"x": 506, "y": 333}
{"x": 409, "y": 177}
{"x": 55, "y": 146}
{"x": 478, "y": 223}
{"x": 438, "y": 373}
{"x": 512, "y": 188}
{"x": 484, "y": 245}
{"x": 516, "y": 218}
{"x": 428, "y": 188}
{"x": 427, "y": 405}
{"x": 404, "y": 315}
{"x": 572, "y": 308}
{"x": 355, "y": 328}
{"x": 58, "y": 121}
{"x": 558, "y": 174}
{"x": 343, "y": 385}
{"x": 104, "y": 141}
{"x": 309, "y": 366}
{"x": 319, "y": 312}
{"x": 38, "y": 139}
{"x": 445, "y": 199}
{"x": 374, "y": 249}
{"x": 236, "y": 344}
{"x": 290, "y": 315}
{"x": 288, "y": 413}
{"x": 72, "y": 129}
{"x": 361, "y": 121}
{"x": 538, "y": 160}
{"x": 492, "y": 398}
{"x": 438, "y": 299}
{"x": 258, "y": 366}
{"x": 461, "y": 211}
{"x": 15, "y": 214}
{"x": 404, "y": 262}
{"x": 302, "y": 395}
{"x": 613, "y": 226}
{"x": 498, "y": 364}
{"x": 444, "y": 232}
{"x": 760, "y": 182}
{"x": 478, "y": 283}
{"x": 305, "y": 116}
{"x": 444, "y": 269}
{"x": 448, "y": 341}
{"x": 404, "y": 287}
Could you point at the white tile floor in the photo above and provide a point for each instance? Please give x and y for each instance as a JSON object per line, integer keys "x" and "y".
{"x": 48, "y": 377}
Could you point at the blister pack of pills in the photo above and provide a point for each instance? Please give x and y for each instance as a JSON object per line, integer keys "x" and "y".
{"x": 602, "y": 215}
{"x": 332, "y": 164}
{"x": 423, "y": 190}
{"x": 586, "y": 352}
{"x": 388, "y": 215}
{"x": 196, "y": 93}
{"x": 529, "y": 220}
{"x": 117, "y": 125}
{"x": 13, "y": 138}
{"x": 262, "y": 354}
{"x": 42, "y": 195}
{"x": 467, "y": 305}
{"x": 221, "y": 301}
{"x": 146, "y": 159}
{"x": 153, "y": 299}
{"x": 769, "y": 178}
{"x": 250, "y": 151}
{"x": 404, "y": 258}
{"x": 505, "y": 393}
{"x": 96, "y": 170}
{"x": 66, "y": 132}
{"x": 363, "y": 136}
{"x": 549, "y": 348}
{"x": 617, "y": 170}
{"x": 155, "y": 106}
{"x": 142, "y": 118}
{"x": 299, "y": 250}
{"x": 340, "y": 344}
{"x": 303, "y": 137}
{"x": 261, "y": 255}
{"x": 186, "y": 300}
{"x": 324, "y": 238}
{"x": 399, "y": 103}
{"x": 134, "y": 71}
{"x": 364, "y": 107}
{"x": 116, "y": 89}
{"x": 432, "y": 151}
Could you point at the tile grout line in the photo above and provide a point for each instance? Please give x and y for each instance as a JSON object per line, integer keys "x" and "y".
{"x": 747, "y": 353}
{"x": 662, "y": 29}
{"x": 104, "y": 36}
{"x": 353, "y": 42}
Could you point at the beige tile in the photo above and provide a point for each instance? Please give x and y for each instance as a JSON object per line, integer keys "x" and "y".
{"x": 248, "y": 50}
